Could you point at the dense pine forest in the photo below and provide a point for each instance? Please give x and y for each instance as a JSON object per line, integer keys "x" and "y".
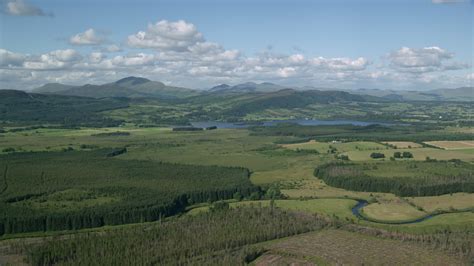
{"x": 376, "y": 132}
{"x": 92, "y": 189}
{"x": 424, "y": 179}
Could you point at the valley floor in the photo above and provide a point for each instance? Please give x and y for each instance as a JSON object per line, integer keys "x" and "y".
{"x": 287, "y": 168}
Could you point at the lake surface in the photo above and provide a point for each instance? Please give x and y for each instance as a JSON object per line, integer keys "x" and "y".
{"x": 302, "y": 122}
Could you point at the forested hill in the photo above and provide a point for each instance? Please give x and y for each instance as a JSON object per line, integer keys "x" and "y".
{"x": 30, "y": 108}
{"x": 289, "y": 99}
{"x": 132, "y": 87}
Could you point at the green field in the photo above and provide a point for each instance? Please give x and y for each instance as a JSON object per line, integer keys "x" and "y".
{"x": 403, "y": 144}
{"x": 160, "y": 166}
{"x": 392, "y": 211}
{"x": 456, "y": 201}
{"x": 324, "y": 147}
{"x": 453, "y": 145}
{"x": 419, "y": 154}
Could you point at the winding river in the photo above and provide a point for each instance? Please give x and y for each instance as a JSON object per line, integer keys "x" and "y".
{"x": 362, "y": 203}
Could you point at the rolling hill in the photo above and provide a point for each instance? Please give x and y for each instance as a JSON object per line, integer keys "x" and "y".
{"x": 20, "y": 107}
{"x": 131, "y": 87}
{"x": 463, "y": 94}
{"x": 289, "y": 99}
{"x": 247, "y": 87}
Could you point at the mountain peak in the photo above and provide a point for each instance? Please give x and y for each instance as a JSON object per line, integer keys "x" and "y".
{"x": 220, "y": 87}
{"x": 246, "y": 84}
{"x": 132, "y": 81}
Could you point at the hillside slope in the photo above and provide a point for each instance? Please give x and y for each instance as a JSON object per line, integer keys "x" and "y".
{"x": 132, "y": 87}
{"x": 20, "y": 107}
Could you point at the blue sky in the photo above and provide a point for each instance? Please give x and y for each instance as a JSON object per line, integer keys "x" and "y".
{"x": 405, "y": 44}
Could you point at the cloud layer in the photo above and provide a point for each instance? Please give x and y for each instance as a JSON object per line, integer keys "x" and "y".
{"x": 177, "y": 53}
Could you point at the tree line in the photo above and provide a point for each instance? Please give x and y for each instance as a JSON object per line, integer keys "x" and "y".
{"x": 351, "y": 177}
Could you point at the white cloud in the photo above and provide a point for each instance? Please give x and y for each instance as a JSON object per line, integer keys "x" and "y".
{"x": 139, "y": 59}
{"x": 11, "y": 59}
{"x": 89, "y": 37}
{"x": 178, "y": 53}
{"x": 22, "y": 8}
{"x": 428, "y": 56}
{"x": 286, "y": 72}
{"x": 58, "y": 59}
{"x": 341, "y": 64}
{"x": 165, "y": 35}
{"x": 296, "y": 58}
{"x": 427, "y": 59}
{"x": 113, "y": 48}
{"x": 12, "y": 76}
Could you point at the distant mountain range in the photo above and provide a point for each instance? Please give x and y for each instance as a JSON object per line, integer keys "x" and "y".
{"x": 248, "y": 87}
{"x": 131, "y": 87}
{"x": 457, "y": 94}
{"x": 137, "y": 87}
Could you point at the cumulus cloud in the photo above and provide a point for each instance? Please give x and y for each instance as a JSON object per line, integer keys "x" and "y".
{"x": 177, "y": 52}
{"x": 140, "y": 59}
{"x": 22, "y": 8}
{"x": 113, "y": 48}
{"x": 341, "y": 63}
{"x": 165, "y": 35}
{"x": 89, "y": 37}
{"x": 58, "y": 59}
{"x": 11, "y": 59}
{"x": 286, "y": 72}
{"x": 427, "y": 59}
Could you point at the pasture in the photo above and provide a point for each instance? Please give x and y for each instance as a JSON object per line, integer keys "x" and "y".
{"x": 403, "y": 144}
{"x": 455, "y": 201}
{"x": 453, "y": 145}
{"x": 419, "y": 154}
{"x": 452, "y": 222}
{"x": 333, "y": 147}
{"x": 392, "y": 211}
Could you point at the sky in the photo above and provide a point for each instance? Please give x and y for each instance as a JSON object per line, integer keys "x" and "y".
{"x": 341, "y": 44}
